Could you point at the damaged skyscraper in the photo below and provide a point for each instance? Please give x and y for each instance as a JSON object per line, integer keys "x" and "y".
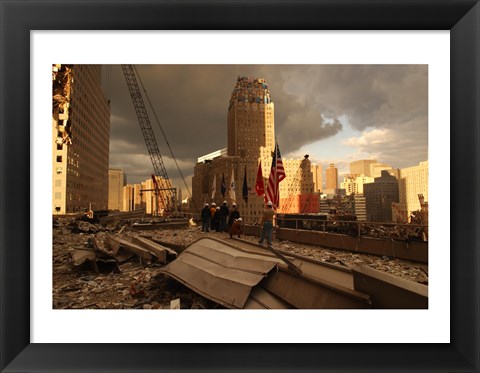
{"x": 80, "y": 139}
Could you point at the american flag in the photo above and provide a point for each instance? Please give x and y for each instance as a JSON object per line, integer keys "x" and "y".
{"x": 277, "y": 174}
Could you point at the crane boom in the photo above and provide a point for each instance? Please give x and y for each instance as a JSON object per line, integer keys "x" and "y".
{"x": 165, "y": 190}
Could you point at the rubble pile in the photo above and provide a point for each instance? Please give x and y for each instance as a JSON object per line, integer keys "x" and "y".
{"x": 90, "y": 273}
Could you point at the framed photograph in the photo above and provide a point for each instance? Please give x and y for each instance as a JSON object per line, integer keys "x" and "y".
{"x": 100, "y": 340}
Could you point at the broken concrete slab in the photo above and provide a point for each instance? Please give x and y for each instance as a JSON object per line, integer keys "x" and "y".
{"x": 116, "y": 244}
{"x": 160, "y": 252}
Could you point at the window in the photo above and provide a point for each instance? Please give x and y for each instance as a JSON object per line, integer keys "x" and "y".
{"x": 59, "y": 158}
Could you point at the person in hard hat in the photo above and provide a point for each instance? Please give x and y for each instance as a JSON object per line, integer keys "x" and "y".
{"x": 236, "y": 228}
{"x": 216, "y": 219}
{"x": 267, "y": 222}
{"x": 224, "y": 212}
{"x": 206, "y": 216}
{"x": 234, "y": 214}
{"x": 213, "y": 208}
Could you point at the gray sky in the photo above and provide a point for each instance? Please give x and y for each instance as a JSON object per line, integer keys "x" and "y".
{"x": 335, "y": 113}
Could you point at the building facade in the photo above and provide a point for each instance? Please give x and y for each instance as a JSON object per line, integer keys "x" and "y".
{"x": 331, "y": 179}
{"x": 116, "y": 181}
{"x": 297, "y": 192}
{"x": 317, "y": 178}
{"x": 80, "y": 139}
{"x": 361, "y": 167}
{"x": 379, "y": 197}
{"x": 251, "y": 141}
{"x": 353, "y": 184}
{"x": 412, "y": 182}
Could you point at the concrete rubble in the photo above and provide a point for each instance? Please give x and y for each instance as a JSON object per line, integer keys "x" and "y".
{"x": 99, "y": 266}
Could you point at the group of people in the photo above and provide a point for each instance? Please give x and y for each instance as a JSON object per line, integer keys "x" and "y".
{"x": 219, "y": 218}
{"x": 225, "y": 219}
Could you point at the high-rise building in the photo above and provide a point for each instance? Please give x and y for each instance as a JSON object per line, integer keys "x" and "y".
{"x": 331, "y": 179}
{"x": 297, "y": 190}
{"x": 361, "y": 167}
{"x": 354, "y": 184}
{"x": 413, "y": 181}
{"x": 250, "y": 119}
{"x": 251, "y": 140}
{"x": 379, "y": 196}
{"x": 80, "y": 139}
{"x": 116, "y": 182}
{"x": 317, "y": 177}
{"x": 360, "y": 207}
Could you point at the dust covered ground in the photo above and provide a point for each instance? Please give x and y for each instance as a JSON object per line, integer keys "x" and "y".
{"x": 140, "y": 286}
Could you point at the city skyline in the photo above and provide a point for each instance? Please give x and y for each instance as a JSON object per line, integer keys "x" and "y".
{"x": 335, "y": 113}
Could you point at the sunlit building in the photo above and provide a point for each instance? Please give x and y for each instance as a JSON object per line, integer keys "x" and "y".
{"x": 331, "y": 179}
{"x": 80, "y": 139}
{"x": 116, "y": 182}
{"x": 251, "y": 141}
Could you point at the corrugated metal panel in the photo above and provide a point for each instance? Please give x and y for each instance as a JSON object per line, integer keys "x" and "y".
{"x": 219, "y": 272}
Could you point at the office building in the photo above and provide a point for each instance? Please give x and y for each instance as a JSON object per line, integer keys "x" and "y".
{"x": 80, "y": 139}
{"x": 331, "y": 179}
{"x": 116, "y": 182}
{"x": 379, "y": 196}
{"x": 353, "y": 184}
{"x": 317, "y": 178}
{"x": 250, "y": 140}
{"x": 361, "y": 167}
{"x": 412, "y": 182}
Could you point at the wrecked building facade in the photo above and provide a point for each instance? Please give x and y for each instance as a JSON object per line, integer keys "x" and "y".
{"x": 80, "y": 139}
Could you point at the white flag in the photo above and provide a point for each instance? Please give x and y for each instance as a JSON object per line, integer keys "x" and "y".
{"x": 214, "y": 186}
{"x": 231, "y": 191}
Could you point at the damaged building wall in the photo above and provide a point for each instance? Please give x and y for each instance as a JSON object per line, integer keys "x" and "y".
{"x": 81, "y": 132}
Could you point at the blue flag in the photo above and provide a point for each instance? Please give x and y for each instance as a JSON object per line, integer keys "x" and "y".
{"x": 223, "y": 188}
{"x": 245, "y": 187}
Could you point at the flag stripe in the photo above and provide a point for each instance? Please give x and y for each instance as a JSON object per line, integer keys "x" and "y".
{"x": 277, "y": 174}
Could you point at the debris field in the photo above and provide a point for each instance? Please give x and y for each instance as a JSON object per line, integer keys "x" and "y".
{"x": 133, "y": 280}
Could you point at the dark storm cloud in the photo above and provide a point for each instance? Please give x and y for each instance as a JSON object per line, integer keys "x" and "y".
{"x": 191, "y": 102}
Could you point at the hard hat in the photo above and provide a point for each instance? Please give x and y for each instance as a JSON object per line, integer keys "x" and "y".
{"x": 239, "y": 219}
{"x": 206, "y": 204}
{"x": 234, "y": 204}
{"x": 218, "y": 208}
{"x": 214, "y": 204}
{"x": 224, "y": 202}
{"x": 269, "y": 203}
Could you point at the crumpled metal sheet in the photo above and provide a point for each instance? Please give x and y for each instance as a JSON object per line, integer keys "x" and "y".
{"x": 220, "y": 272}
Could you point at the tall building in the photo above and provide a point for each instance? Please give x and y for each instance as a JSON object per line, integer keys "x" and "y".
{"x": 377, "y": 168}
{"x": 251, "y": 140}
{"x": 250, "y": 119}
{"x": 116, "y": 182}
{"x": 413, "y": 181}
{"x": 317, "y": 177}
{"x": 361, "y": 167}
{"x": 354, "y": 184}
{"x": 297, "y": 190}
{"x": 360, "y": 207}
{"x": 80, "y": 139}
{"x": 331, "y": 179}
{"x": 379, "y": 196}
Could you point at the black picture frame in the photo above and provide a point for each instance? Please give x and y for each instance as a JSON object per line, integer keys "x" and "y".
{"x": 18, "y": 18}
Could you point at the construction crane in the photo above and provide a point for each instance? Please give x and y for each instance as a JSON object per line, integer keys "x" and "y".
{"x": 162, "y": 184}
{"x": 295, "y": 186}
